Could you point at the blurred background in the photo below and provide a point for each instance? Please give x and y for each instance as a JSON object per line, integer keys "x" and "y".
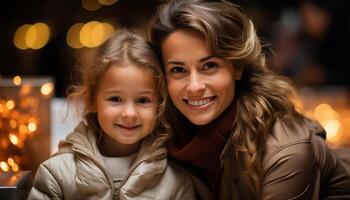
{"x": 43, "y": 43}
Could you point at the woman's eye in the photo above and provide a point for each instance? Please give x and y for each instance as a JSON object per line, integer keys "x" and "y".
{"x": 210, "y": 65}
{"x": 177, "y": 70}
{"x": 143, "y": 100}
{"x": 115, "y": 99}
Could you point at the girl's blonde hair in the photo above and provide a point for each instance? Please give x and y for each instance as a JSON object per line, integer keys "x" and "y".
{"x": 123, "y": 47}
{"x": 261, "y": 96}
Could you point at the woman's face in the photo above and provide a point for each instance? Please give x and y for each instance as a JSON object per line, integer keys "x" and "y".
{"x": 200, "y": 83}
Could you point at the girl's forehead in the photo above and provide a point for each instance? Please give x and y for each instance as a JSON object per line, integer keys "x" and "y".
{"x": 128, "y": 77}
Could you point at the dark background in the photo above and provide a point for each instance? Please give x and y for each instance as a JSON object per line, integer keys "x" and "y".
{"x": 310, "y": 38}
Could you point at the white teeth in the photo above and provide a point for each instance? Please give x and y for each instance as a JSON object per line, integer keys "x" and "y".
{"x": 199, "y": 102}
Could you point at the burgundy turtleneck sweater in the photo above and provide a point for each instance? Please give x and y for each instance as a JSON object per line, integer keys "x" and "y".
{"x": 202, "y": 145}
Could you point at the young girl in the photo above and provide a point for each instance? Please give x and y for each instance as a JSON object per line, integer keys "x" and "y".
{"x": 117, "y": 151}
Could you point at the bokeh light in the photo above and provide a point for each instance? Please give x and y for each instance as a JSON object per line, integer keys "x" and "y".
{"x": 20, "y": 35}
{"x": 47, "y": 88}
{"x": 33, "y": 36}
{"x": 91, "y": 5}
{"x": 95, "y": 33}
{"x": 17, "y": 80}
{"x": 72, "y": 38}
{"x": 107, "y": 2}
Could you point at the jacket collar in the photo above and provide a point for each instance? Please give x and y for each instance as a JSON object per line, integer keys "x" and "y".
{"x": 92, "y": 179}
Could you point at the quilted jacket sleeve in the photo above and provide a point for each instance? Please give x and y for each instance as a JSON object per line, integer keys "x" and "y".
{"x": 45, "y": 185}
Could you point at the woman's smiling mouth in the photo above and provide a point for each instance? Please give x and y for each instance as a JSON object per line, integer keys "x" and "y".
{"x": 199, "y": 102}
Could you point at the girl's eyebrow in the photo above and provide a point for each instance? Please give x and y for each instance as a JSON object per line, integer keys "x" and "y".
{"x": 201, "y": 60}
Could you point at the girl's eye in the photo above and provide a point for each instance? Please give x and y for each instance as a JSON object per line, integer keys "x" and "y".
{"x": 143, "y": 100}
{"x": 177, "y": 70}
{"x": 210, "y": 65}
{"x": 115, "y": 99}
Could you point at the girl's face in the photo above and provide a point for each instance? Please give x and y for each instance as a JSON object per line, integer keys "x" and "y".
{"x": 126, "y": 104}
{"x": 200, "y": 83}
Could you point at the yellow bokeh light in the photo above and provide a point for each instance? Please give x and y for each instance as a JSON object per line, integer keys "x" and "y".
{"x": 31, "y": 127}
{"x": 107, "y": 2}
{"x": 86, "y": 32}
{"x": 10, "y": 161}
{"x": 95, "y": 33}
{"x": 15, "y": 168}
{"x": 20, "y": 35}
{"x": 332, "y": 128}
{"x": 13, "y": 123}
{"x": 90, "y": 5}
{"x": 101, "y": 32}
{"x": 73, "y": 36}
{"x": 17, "y": 80}
{"x": 324, "y": 112}
{"x": 47, "y": 88}
{"x": 13, "y": 138}
{"x": 10, "y": 104}
{"x": 37, "y": 36}
{"x": 4, "y": 166}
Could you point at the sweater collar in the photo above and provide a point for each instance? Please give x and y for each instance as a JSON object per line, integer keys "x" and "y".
{"x": 202, "y": 145}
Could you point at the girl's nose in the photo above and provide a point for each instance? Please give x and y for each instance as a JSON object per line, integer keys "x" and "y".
{"x": 129, "y": 112}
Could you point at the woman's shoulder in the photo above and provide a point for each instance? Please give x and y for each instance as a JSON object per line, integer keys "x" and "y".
{"x": 286, "y": 134}
{"x": 292, "y": 140}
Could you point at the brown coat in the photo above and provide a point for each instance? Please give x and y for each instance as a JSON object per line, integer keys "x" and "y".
{"x": 298, "y": 165}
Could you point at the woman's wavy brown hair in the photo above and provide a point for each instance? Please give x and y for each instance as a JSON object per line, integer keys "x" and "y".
{"x": 261, "y": 96}
{"x": 123, "y": 48}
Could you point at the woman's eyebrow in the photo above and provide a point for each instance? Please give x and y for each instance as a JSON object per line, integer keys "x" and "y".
{"x": 175, "y": 62}
{"x": 207, "y": 58}
{"x": 201, "y": 60}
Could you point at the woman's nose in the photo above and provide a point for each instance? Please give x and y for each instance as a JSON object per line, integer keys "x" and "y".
{"x": 196, "y": 85}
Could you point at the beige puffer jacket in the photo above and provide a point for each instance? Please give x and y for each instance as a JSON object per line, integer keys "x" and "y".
{"x": 77, "y": 171}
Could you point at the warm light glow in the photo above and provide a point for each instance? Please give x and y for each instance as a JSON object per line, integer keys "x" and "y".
{"x": 86, "y": 33}
{"x": 332, "y": 128}
{"x": 20, "y": 35}
{"x": 324, "y": 112}
{"x": 94, "y": 33}
{"x": 73, "y": 36}
{"x": 4, "y": 143}
{"x": 15, "y": 167}
{"x": 31, "y": 127}
{"x": 23, "y": 129}
{"x": 4, "y": 166}
{"x": 47, "y": 88}
{"x": 13, "y": 123}
{"x": 17, "y": 80}
{"x": 10, "y": 104}
{"x": 107, "y": 2}
{"x": 37, "y": 36}
{"x": 10, "y": 161}
{"x": 101, "y": 32}
{"x": 13, "y": 138}
{"x": 90, "y": 5}
{"x": 25, "y": 89}
{"x": 2, "y": 108}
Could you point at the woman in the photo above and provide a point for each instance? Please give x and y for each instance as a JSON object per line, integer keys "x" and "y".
{"x": 234, "y": 125}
